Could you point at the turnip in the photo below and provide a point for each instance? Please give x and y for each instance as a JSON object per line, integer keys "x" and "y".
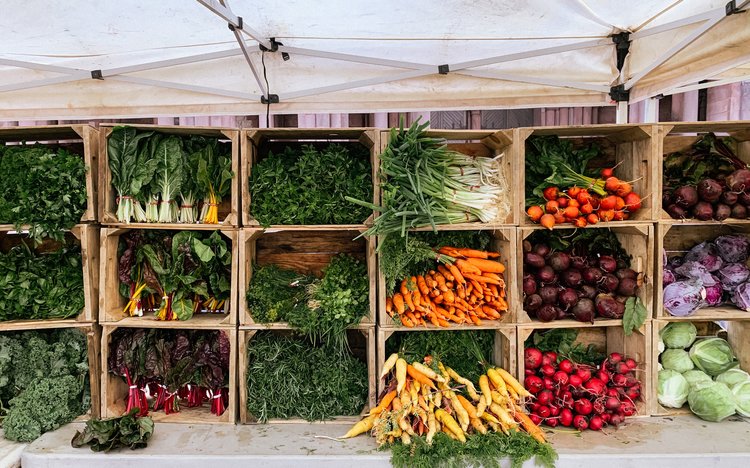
{"x": 532, "y": 358}
{"x": 709, "y": 190}
{"x": 559, "y": 261}
{"x": 685, "y": 196}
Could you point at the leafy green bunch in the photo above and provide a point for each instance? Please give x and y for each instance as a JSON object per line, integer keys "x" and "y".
{"x": 307, "y": 185}
{"x": 42, "y": 188}
{"x": 103, "y": 435}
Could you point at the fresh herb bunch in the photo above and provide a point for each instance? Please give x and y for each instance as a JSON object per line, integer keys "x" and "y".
{"x": 414, "y": 255}
{"x": 37, "y": 286}
{"x": 553, "y": 161}
{"x": 563, "y": 342}
{"x": 307, "y": 185}
{"x": 42, "y": 188}
{"x": 103, "y": 435}
{"x": 292, "y": 377}
{"x": 584, "y": 242}
{"x": 44, "y": 381}
{"x": 480, "y": 450}
{"x": 455, "y": 349}
{"x": 274, "y": 292}
{"x": 709, "y": 157}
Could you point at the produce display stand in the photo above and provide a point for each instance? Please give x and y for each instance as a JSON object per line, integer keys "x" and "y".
{"x": 361, "y": 341}
{"x": 503, "y": 350}
{"x": 79, "y": 139}
{"x": 256, "y": 144}
{"x": 111, "y": 303}
{"x": 304, "y": 251}
{"x": 85, "y": 235}
{"x": 114, "y": 389}
{"x": 607, "y": 339}
{"x": 228, "y": 216}
{"x": 679, "y": 136}
{"x": 633, "y": 148}
{"x": 737, "y": 333}
{"x": 636, "y": 238}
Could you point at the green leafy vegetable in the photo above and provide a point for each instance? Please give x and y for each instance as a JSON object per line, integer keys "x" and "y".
{"x": 168, "y": 176}
{"x": 43, "y": 188}
{"x": 103, "y": 435}
{"x": 709, "y": 157}
{"x": 563, "y": 342}
{"x": 583, "y": 242}
{"x": 634, "y": 316}
{"x": 273, "y": 293}
{"x": 308, "y": 185}
{"x": 130, "y": 167}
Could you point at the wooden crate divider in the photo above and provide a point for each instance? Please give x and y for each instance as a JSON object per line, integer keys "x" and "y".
{"x": 480, "y": 143}
{"x": 632, "y": 147}
{"x": 607, "y": 339}
{"x": 88, "y": 237}
{"x": 503, "y": 353}
{"x": 504, "y": 241}
{"x": 636, "y": 238}
{"x": 114, "y": 390}
{"x": 65, "y": 135}
{"x": 246, "y": 335}
{"x": 228, "y": 216}
{"x": 681, "y": 136}
{"x": 307, "y": 252}
{"x": 677, "y": 238}
{"x": 111, "y": 303}
{"x": 737, "y": 333}
{"x": 255, "y": 143}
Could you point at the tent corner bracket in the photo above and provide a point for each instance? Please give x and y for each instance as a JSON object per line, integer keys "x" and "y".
{"x": 96, "y": 75}
{"x": 444, "y": 69}
{"x": 619, "y": 93}
{"x": 622, "y": 47}
{"x": 731, "y": 8}
{"x": 271, "y": 99}
{"x": 238, "y": 26}
{"x": 274, "y": 45}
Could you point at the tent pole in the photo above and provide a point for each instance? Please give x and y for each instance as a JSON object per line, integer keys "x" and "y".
{"x": 405, "y": 75}
{"x": 533, "y": 80}
{"x": 155, "y": 65}
{"x": 621, "y": 117}
{"x": 227, "y": 15}
{"x": 651, "y": 111}
{"x": 45, "y": 82}
{"x": 185, "y": 87}
{"x": 709, "y": 84}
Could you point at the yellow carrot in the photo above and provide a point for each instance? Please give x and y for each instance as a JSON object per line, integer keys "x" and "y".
{"x": 481, "y": 407}
{"x": 449, "y": 423}
{"x": 360, "y": 428}
{"x": 431, "y": 427}
{"x": 476, "y": 423}
{"x": 427, "y": 371}
{"x": 484, "y": 385}
{"x": 512, "y": 382}
{"x": 388, "y": 364}
{"x": 400, "y": 374}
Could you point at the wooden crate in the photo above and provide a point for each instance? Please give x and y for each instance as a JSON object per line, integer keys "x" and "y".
{"x": 676, "y": 238}
{"x": 736, "y": 332}
{"x": 111, "y": 303}
{"x": 505, "y": 243}
{"x": 256, "y": 144}
{"x": 480, "y": 143}
{"x": 636, "y": 238}
{"x": 114, "y": 389}
{"x": 93, "y": 342}
{"x": 680, "y": 136}
{"x": 87, "y": 236}
{"x": 607, "y": 339}
{"x": 307, "y": 252}
{"x": 362, "y": 344}
{"x": 503, "y": 354}
{"x": 108, "y": 196}
{"x": 79, "y": 139}
{"x": 633, "y": 147}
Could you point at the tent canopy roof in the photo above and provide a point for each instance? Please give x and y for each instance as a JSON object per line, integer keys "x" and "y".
{"x": 176, "y": 57}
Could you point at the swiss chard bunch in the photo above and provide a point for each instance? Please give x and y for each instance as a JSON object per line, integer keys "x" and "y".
{"x": 43, "y": 188}
{"x": 103, "y": 435}
{"x": 308, "y": 185}
{"x": 37, "y": 285}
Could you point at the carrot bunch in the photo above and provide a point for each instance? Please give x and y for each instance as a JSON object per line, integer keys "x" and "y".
{"x": 425, "y": 397}
{"x": 468, "y": 290}
{"x": 613, "y": 200}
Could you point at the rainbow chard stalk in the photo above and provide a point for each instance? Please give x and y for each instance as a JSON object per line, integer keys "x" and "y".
{"x": 130, "y": 167}
{"x": 214, "y": 176}
{"x": 169, "y": 175}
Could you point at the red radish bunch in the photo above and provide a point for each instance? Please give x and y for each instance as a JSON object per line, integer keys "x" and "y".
{"x": 578, "y": 395}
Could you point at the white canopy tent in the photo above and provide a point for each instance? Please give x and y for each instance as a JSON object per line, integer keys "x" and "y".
{"x": 115, "y": 58}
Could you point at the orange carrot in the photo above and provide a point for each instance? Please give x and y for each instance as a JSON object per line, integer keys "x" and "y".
{"x": 448, "y": 296}
{"x": 449, "y": 251}
{"x": 446, "y": 273}
{"x": 422, "y": 285}
{"x": 438, "y": 299}
{"x": 491, "y": 266}
{"x": 419, "y": 377}
{"x": 416, "y": 299}
{"x": 412, "y": 317}
{"x": 407, "y": 321}
{"x": 456, "y": 274}
{"x": 398, "y": 303}
{"x": 433, "y": 319}
{"x": 384, "y": 403}
{"x": 466, "y": 267}
{"x": 491, "y": 275}
{"x": 461, "y": 291}
{"x": 482, "y": 279}
{"x": 389, "y": 306}
{"x": 443, "y": 322}
{"x": 475, "y": 319}
{"x": 441, "y": 282}
{"x": 471, "y": 253}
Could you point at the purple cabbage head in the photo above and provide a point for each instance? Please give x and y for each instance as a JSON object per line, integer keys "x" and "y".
{"x": 705, "y": 253}
{"x": 696, "y": 271}
{"x": 733, "y": 248}
{"x": 713, "y": 294}
{"x": 668, "y": 277}
{"x": 741, "y": 297}
{"x": 682, "y": 298}
{"x": 732, "y": 275}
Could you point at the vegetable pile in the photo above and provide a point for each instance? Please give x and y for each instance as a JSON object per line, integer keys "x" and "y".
{"x": 43, "y": 188}
{"x": 583, "y": 276}
{"x": 424, "y": 400}
{"x": 561, "y": 188}
{"x": 103, "y": 435}
{"x": 309, "y": 185}
{"x": 41, "y": 285}
{"x": 174, "y": 274}
{"x": 295, "y": 377}
{"x": 168, "y": 367}
{"x": 710, "y": 274}
{"x": 427, "y": 184}
{"x": 322, "y": 308}
{"x": 467, "y": 287}
{"x": 580, "y": 395}
{"x": 150, "y": 170}
{"x": 702, "y": 372}
{"x": 706, "y": 182}
{"x": 44, "y": 381}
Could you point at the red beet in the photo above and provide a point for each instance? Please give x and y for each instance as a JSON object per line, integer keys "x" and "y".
{"x": 546, "y": 274}
{"x": 738, "y": 180}
{"x": 744, "y": 198}
{"x": 526, "y": 246}
{"x": 612, "y": 403}
{"x": 676, "y": 212}
{"x": 592, "y": 275}
{"x": 598, "y": 407}
{"x": 607, "y": 263}
{"x": 548, "y": 383}
{"x": 547, "y": 313}
{"x": 532, "y": 358}
{"x": 571, "y": 278}
{"x": 703, "y": 211}
{"x": 603, "y": 376}
{"x": 596, "y": 423}
{"x": 583, "y": 373}
{"x": 587, "y": 291}
{"x": 626, "y": 273}
{"x": 552, "y": 422}
{"x": 614, "y": 358}
{"x": 685, "y": 196}
{"x": 584, "y": 310}
{"x": 627, "y": 287}
{"x": 547, "y": 370}
{"x": 549, "y": 294}
{"x": 559, "y": 261}
{"x": 566, "y": 417}
{"x": 541, "y": 249}
{"x": 534, "y": 260}
{"x": 580, "y": 422}
{"x": 619, "y": 380}
{"x": 543, "y": 411}
{"x": 709, "y": 190}
{"x": 583, "y": 406}
{"x": 729, "y": 198}
{"x": 608, "y": 307}
{"x": 544, "y": 397}
{"x": 631, "y": 363}
{"x": 532, "y": 303}
{"x": 579, "y": 263}
{"x": 627, "y": 408}
{"x": 739, "y": 212}
{"x": 549, "y": 358}
{"x": 533, "y": 384}
{"x": 565, "y": 366}
{"x": 535, "y": 419}
{"x": 595, "y": 386}
{"x": 561, "y": 378}
{"x": 567, "y": 298}
{"x": 554, "y": 410}
{"x": 609, "y": 283}
{"x": 529, "y": 284}
{"x": 722, "y": 212}
{"x": 616, "y": 419}
{"x": 575, "y": 380}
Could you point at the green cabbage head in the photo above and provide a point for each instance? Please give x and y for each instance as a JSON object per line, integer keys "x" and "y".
{"x": 713, "y": 402}
{"x": 673, "y": 389}
{"x": 713, "y": 356}
{"x": 679, "y": 335}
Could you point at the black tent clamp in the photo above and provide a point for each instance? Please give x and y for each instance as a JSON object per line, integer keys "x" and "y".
{"x": 96, "y": 75}
{"x": 444, "y": 69}
{"x": 619, "y": 93}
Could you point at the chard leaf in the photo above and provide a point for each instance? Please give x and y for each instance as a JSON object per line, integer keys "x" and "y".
{"x": 635, "y": 315}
